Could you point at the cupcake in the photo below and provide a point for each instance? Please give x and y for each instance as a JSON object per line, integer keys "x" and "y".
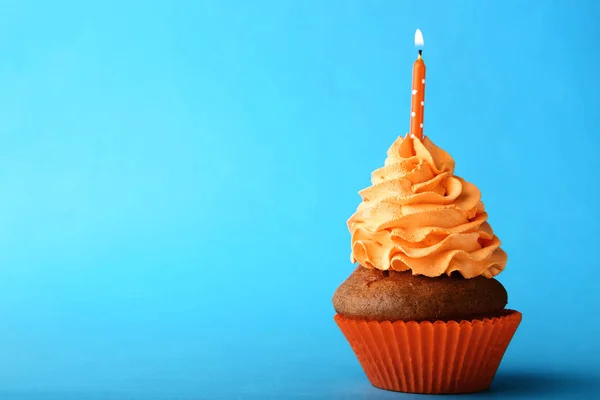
{"x": 422, "y": 311}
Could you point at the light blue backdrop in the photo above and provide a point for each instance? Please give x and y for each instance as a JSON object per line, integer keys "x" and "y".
{"x": 175, "y": 179}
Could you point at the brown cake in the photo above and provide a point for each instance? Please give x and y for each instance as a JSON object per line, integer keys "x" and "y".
{"x": 390, "y": 296}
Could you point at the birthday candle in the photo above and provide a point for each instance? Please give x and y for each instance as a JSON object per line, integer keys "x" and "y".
{"x": 417, "y": 107}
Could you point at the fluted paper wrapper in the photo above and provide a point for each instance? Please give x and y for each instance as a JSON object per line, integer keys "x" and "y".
{"x": 431, "y": 357}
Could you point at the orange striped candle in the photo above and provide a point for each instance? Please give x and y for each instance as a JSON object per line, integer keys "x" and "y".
{"x": 417, "y": 107}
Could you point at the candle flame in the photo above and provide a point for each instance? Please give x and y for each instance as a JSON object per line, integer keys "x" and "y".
{"x": 419, "y": 38}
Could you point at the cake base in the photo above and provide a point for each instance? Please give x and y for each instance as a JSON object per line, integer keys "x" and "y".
{"x": 372, "y": 294}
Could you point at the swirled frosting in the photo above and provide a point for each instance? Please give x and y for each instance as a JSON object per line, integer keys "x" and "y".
{"x": 418, "y": 215}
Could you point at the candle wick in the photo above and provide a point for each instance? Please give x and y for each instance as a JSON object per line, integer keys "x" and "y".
{"x": 420, "y": 52}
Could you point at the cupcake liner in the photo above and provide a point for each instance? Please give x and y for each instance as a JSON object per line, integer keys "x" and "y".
{"x": 433, "y": 358}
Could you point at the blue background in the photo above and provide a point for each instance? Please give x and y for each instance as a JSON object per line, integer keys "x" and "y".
{"x": 175, "y": 179}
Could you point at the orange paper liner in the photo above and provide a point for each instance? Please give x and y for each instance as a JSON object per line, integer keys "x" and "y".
{"x": 433, "y": 358}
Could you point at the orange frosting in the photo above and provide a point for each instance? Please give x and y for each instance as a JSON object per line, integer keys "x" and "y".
{"x": 418, "y": 215}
